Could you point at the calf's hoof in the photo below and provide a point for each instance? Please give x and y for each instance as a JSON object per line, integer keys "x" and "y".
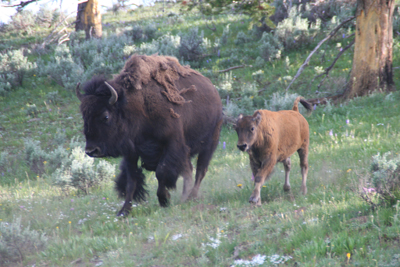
{"x": 286, "y": 187}
{"x": 255, "y": 200}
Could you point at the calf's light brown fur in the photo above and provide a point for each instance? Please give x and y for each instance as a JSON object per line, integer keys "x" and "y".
{"x": 270, "y": 137}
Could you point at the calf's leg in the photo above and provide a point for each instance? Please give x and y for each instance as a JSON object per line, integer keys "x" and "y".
{"x": 287, "y": 166}
{"x": 263, "y": 173}
{"x": 303, "y": 154}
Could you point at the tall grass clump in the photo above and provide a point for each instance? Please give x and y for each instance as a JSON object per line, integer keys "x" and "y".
{"x": 81, "y": 173}
{"x": 17, "y": 242}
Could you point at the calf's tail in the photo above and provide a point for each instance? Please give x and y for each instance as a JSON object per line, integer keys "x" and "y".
{"x": 304, "y": 103}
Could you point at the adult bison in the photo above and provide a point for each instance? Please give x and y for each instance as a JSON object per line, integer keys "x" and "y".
{"x": 158, "y": 111}
{"x": 270, "y": 137}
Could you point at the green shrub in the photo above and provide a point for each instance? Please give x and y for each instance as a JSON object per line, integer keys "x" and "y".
{"x": 23, "y": 20}
{"x": 281, "y": 101}
{"x": 16, "y": 242}
{"x": 62, "y": 68}
{"x": 14, "y": 67}
{"x": 385, "y": 172}
{"x": 269, "y": 47}
{"x": 81, "y": 173}
{"x": 295, "y": 31}
{"x": 191, "y": 45}
{"x": 167, "y": 45}
{"x": 242, "y": 38}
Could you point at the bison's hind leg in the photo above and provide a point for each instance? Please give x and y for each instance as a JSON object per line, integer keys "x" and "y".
{"x": 204, "y": 159}
{"x": 287, "y": 166}
{"x": 303, "y": 154}
{"x": 187, "y": 181}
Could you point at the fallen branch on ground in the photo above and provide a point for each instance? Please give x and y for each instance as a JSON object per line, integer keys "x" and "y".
{"x": 330, "y": 35}
{"x": 326, "y": 72}
{"x": 235, "y": 67}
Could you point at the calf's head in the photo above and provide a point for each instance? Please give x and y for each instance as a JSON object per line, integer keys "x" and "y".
{"x": 246, "y": 129}
{"x": 100, "y": 114}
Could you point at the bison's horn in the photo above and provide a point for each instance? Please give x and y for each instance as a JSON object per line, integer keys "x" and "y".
{"x": 114, "y": 96}
{"x": 78, "y": 92}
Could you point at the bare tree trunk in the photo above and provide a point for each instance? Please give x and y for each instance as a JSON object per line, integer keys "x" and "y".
{"x": 372, "y": 62}
{"x": 89, "y": 18}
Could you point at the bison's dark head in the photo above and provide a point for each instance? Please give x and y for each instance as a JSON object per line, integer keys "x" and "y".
{"x": 101, "y": 113}
{"x": 246, "y": 128}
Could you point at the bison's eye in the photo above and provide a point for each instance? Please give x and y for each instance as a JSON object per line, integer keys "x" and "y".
{"x": 252, "y": 129}
{"x": 105, "y": 118}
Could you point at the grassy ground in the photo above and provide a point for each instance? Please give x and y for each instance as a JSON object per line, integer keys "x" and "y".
{"x": 330, "y": 226}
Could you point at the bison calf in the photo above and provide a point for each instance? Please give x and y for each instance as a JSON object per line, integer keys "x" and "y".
{"x": 270, "y": 137}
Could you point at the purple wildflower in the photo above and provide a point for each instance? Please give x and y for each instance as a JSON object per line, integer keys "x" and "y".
{"x": 224, "y": 145}
{"x": 72, "y": 200}
{"x": 344, "y": 35}
{"x": 218, "y": 53}
{"x": 347, "y": 121}
{"x": 315, "y": 106}
{"x": 331, "y": 133}
{"x": 72, "y": 208}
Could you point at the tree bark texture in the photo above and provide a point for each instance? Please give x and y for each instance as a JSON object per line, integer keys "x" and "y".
{"x": 372, "y": 62}
{"x": 89, "y": 18}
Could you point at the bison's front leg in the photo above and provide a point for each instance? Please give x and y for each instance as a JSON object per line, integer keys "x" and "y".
{"x": 263, "y": 173}
{"x": 130, "y": 184}
{"x": 174, "y": 161}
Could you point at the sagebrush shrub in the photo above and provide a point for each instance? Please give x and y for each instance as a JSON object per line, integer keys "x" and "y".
{"x": 269, "y": 47}
{"x": 191, "y": 45}
{"x": 242, "y": 38}
{"x": 385, "y": 172}
{"x": 62, "y": 68}
{"x": 281, "y": 101}
{"x": 23, "y": 20}
{"x": 81, "y": 173}
{"x": 295, "y": 31}
{"x": 17, "y": 241}
{"x": 14, "y": 67}
{"x": 167, "y": 45}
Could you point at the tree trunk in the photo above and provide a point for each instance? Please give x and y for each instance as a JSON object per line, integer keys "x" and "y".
{"x": 89, "y": 18}
{"x": 372, "y": 62}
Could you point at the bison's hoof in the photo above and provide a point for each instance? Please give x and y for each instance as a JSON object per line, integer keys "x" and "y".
{"x": 286, "y": 187}
{"x": 122, "y": 213}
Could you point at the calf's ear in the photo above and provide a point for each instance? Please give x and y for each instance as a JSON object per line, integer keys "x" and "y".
{"x": 257, "y": 118}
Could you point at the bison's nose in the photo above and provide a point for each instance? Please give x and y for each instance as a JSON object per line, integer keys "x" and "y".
{"x": 242, "y": 147}
{"x": 93, "y": 152}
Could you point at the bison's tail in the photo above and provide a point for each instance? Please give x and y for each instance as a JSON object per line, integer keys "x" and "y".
{"x": 140, "y": 192}
{"x": 304, "y": 103}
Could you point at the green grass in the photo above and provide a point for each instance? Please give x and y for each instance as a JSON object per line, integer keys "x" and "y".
{"x": 318, "y": 229}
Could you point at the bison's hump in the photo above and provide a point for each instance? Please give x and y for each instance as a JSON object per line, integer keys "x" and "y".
{"x": 139, "y": 70}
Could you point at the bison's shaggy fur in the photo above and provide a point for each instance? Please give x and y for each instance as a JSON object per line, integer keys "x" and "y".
{"x": 159, "y": 112}
{"x": 270, "y": 137}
